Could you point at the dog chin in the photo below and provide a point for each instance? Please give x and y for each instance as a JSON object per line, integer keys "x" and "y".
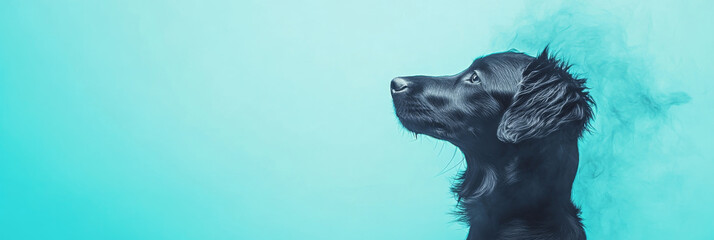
{"x": 417, "y": 130}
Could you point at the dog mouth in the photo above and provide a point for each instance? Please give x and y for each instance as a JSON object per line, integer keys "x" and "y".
{"x": 419, "y": 119}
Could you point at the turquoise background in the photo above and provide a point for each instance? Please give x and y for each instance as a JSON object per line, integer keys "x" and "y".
{"x": 273, "y": 119}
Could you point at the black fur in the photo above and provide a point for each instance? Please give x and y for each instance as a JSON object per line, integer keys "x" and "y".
{"x": 517, "y": 119}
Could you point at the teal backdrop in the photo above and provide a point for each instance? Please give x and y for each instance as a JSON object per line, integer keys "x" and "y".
{"x": 273, "y": 119}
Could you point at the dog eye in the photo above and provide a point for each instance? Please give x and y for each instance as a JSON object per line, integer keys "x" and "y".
{"x": 474, "y": 78}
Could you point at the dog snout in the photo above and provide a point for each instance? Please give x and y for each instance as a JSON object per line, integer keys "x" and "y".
{"x": 399, "y": 85}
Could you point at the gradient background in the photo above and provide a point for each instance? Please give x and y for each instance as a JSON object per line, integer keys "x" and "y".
{"x": 273, "y": 119}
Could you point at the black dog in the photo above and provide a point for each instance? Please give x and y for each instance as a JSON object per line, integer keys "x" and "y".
{"x": 517, "y": 119}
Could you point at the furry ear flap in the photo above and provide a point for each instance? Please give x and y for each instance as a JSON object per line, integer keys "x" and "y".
{"x": 549, "y": 99}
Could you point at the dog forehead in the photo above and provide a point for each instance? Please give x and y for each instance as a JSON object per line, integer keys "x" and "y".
{"x": 502, "y": 61}
{"x": 502, "y": 71}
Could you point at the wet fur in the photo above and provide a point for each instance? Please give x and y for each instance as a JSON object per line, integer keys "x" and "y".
{"x": 518, "y": 129}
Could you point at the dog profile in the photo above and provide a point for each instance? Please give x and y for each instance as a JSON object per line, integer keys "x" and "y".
{"x": 517, "y": 120}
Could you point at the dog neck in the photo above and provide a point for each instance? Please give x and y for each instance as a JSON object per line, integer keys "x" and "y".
{"x": 519, "y": 187}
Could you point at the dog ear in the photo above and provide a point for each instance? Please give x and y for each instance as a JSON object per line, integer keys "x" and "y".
{"x": 549, "y": 99}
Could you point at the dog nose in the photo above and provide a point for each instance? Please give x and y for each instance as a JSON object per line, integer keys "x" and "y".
{"x": 399, "y": 85}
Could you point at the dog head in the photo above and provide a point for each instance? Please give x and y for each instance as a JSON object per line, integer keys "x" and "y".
{"x": 505, "y": 97}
